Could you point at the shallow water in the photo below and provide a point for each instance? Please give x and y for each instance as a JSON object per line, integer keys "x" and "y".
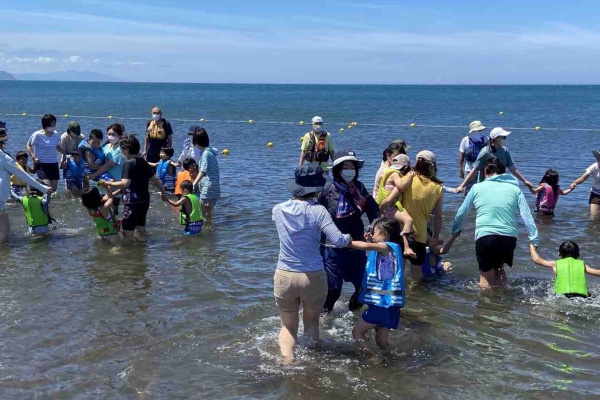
{"x": 179, "y": 317}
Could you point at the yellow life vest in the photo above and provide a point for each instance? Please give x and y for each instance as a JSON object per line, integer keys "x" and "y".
{"x": 16, "y": 181}
{"x": 156, "y": 130}
{"x": 383, "y": 193}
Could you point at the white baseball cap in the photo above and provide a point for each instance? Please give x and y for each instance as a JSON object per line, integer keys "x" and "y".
{"x": 497, "y": 132}
{"x": 316, "y": 119}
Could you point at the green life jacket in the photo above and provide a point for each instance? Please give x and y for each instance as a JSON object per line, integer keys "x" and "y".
{"x": 104, "y": 226}
{"x": 195, "y": 215}
{"x": 34, "y": 211}
{"x": 383, "y": 193}
{"x": 570, "y": 277}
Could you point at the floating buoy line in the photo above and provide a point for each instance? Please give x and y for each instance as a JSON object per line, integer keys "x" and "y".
{"x": 344, "y": 126}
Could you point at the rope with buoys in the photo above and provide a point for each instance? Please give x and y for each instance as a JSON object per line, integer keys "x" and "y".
{"x": 350, "y": 125}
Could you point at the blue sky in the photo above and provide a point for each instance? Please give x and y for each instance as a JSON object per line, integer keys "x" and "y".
{"x": 431, "y": 42}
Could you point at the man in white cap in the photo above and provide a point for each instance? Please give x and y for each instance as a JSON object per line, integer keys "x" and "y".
{"x": 317, "y": 145}
{"x": 469, "y": 149}
{"x": 495, "y": 147}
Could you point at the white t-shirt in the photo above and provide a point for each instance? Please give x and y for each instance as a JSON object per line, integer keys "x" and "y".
{"x": 594, "y": 172}
{"x": 464, "y": 144}
{"x": 44, "y": 147}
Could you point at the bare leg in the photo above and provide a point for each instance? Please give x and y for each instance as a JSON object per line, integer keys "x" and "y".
{"x": 594, "y": 211}
{"x": 53, "y": 185}
{"x": 207, "y": 210}
{"x": 407, "y": 227}
{"x": 141, "y": 230}
{"x": 381, "y": 337}
{"x": 492, "y": 278}
{"x": 289, "y": 334}
{"x": 4, "y": 228}
{"x": 128, "y": 234}
{"x": 310, "y": 318}
{"x": 500, "y": 277}
{"x": 359, "y": 333}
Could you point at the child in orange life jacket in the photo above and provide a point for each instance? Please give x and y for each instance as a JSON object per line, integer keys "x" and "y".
{"x": 569, "y": 270}
{"x": 37, "y": 213}
{"x": 100, "y": 209}
{"x": 189, "y": 173}
{"x": 18, "y": 187}
{"x": 166, "y": 169}
{"x": 547, "y": 193}
{"x": 190, "y": 212}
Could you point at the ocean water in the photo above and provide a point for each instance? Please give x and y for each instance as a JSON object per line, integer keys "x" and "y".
{"x": 190, "y": 318}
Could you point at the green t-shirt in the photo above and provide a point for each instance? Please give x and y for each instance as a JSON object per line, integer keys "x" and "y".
{"x": 485, "y": 153}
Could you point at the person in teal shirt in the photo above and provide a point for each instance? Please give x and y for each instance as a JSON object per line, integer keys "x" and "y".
{"x": 494, "y": 148}
{"x": 497, "y": 201}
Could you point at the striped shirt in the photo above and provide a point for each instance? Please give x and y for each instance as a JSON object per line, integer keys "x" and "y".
{"x": 44, "y": 147}
{"x": 210, "y": 184}
{"x": 299, "y": 225}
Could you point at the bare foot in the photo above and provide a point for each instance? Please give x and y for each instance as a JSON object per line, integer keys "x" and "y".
{"x": 287, "y": 360}
{"x": 408, "y": 252}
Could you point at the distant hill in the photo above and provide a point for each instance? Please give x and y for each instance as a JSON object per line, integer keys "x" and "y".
{"x": 5, "y": 76}
{"x": 70, "y": 76}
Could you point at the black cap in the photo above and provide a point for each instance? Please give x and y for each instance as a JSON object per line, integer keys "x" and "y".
{"x": 193, "y": 129}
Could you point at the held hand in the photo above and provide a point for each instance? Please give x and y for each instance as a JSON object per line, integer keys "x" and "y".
{"x": 459, "y": 189}
{"x": 144, "y": 155}
{"x": 163, "y": 197}
{"x": 101, "y": 183}
{"x": 36, "y": 160}
{"x": 573, "y": 185}
{"x": 50, "y": 191}
{"x": 528, "y": 184}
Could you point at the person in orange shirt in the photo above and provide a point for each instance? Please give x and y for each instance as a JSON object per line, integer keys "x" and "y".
{"x": 189, "y": 173}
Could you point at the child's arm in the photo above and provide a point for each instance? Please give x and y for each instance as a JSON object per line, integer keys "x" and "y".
{"x": 402, "y": 183}
{"x": 537, "y": 189}
{"x": 172, "y": 202}
{"x": 174, "y": 164}
{"x": 446, "y": 249}
{"x": 152, "y": 164}
{"x": 381, "y": 248}
{"x": 592, "y": 271}
{"x": 89, "y": 158}
{"x": 539, "y": 260}
{"x": 566, "y": 192}
{"x": 16, "y": 196}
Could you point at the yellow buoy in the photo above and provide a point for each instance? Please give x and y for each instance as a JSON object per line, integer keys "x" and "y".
{"x": 110, "y": 117}
{"x": 349, "y": 126}
{"x": 341, "y": 130}
{"x": 225, "y": 151}
{"x": 250, "y": 121}
{"x": 301, "y": 122}
{"x": 412, "y": 125}
{"x": 201, "y": 119}
{"x": 354, "y": 123}
{"x": 501, "y": 113}
{"x": 66, "y": 115}
{"x": 270, "y": 144}
{"x": 24, "y": 114}
{"x": 537, "y": 128}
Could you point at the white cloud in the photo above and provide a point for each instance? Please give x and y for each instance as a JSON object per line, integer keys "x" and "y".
{"x": 75, "y": 59}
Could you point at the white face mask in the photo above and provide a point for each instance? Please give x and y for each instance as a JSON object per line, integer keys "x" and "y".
{"x": 348, "y": 175}
{"x": 156, "y": 117}
{"x": 318, "y": 128}
{"x": 50, "y": 129}
{"x": 113, "y": 139}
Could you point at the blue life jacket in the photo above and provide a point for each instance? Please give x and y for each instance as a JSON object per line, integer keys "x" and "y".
{"x": 75, "y": 172}
{"x": 99, "y": 156}
{"x": 167, "y": 180}
{"x": 475, "y": 145}
{"x": 427, "y": 269}
{"x": 384, "y": 291}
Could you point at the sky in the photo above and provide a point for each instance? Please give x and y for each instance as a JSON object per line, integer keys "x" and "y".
{"x": 265, "y": 41}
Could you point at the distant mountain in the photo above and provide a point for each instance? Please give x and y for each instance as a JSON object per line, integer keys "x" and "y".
{"x": 5, "y": 76}
{"x": 70, "y": 76}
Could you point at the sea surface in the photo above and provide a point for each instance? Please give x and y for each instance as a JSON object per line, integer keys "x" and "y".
{"x": 175, "y": 317}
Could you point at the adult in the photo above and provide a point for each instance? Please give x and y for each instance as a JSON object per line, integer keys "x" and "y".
{"x": 396, "y": 147}
{"x": 189, "y": 150}
{"x": 346, "y": 200}
{"x": 137, "y": 174}
{"x": 113, "y": 159}
{"x": 8, "y": 167}
{"x": 469, "y": 149}
{"x": 299, "y": 277}
{"x": 209, "y": 177}
{"x": 497, "y": 201}
{"x": 317, "y": 145}
{"x": 495, "y": 147}
{"x": 69, "y": 142}
{"x": 593, "y": 171}
{"x": 43, "y": 146}
{"x": 424, "y": 194}
{"x": 159, "y": 134}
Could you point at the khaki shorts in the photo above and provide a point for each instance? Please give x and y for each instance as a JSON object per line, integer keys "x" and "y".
{"x": 293, "y": 288}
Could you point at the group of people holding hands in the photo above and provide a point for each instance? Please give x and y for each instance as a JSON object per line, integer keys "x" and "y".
{"x": 323, "y": 241}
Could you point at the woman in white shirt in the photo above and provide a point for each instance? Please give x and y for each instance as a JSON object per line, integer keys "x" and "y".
{"x": 593, "y": 171}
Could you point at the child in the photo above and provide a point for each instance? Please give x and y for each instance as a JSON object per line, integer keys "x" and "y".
{"x": 189, "y": 173}
{"x": 37, "y": 214}
{"x": 394, "y": 182}
{"x": 569, "y": 270}
{"x": 18, "y": 187}
{"x": 190, "y": 211}
{"x": 547, "y": 193}
{"x": 433, "y": 261}
{"x": 74, "y": 170}
{"x": 383, "y": 283}
{"x": 93, "y": 156}
{"x": 165, "y": 169}
{"x": 100, "y": 209}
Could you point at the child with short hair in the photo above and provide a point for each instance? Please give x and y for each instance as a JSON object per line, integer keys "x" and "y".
{"x": 383, "y": 283}
{"x": 17, "y": 186}
{"x": 100, "y": 210}
{"x": 189, "y": 173}
{"x": 37, "y": 213}
{"x": 166, "y": 169}
{"x": 190, "y": 209}
{"x": 74, "y": 171}
{"x": 547, "y": 193}
{"x": 93, "y": 156}
{"x": 569, "y": 270}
